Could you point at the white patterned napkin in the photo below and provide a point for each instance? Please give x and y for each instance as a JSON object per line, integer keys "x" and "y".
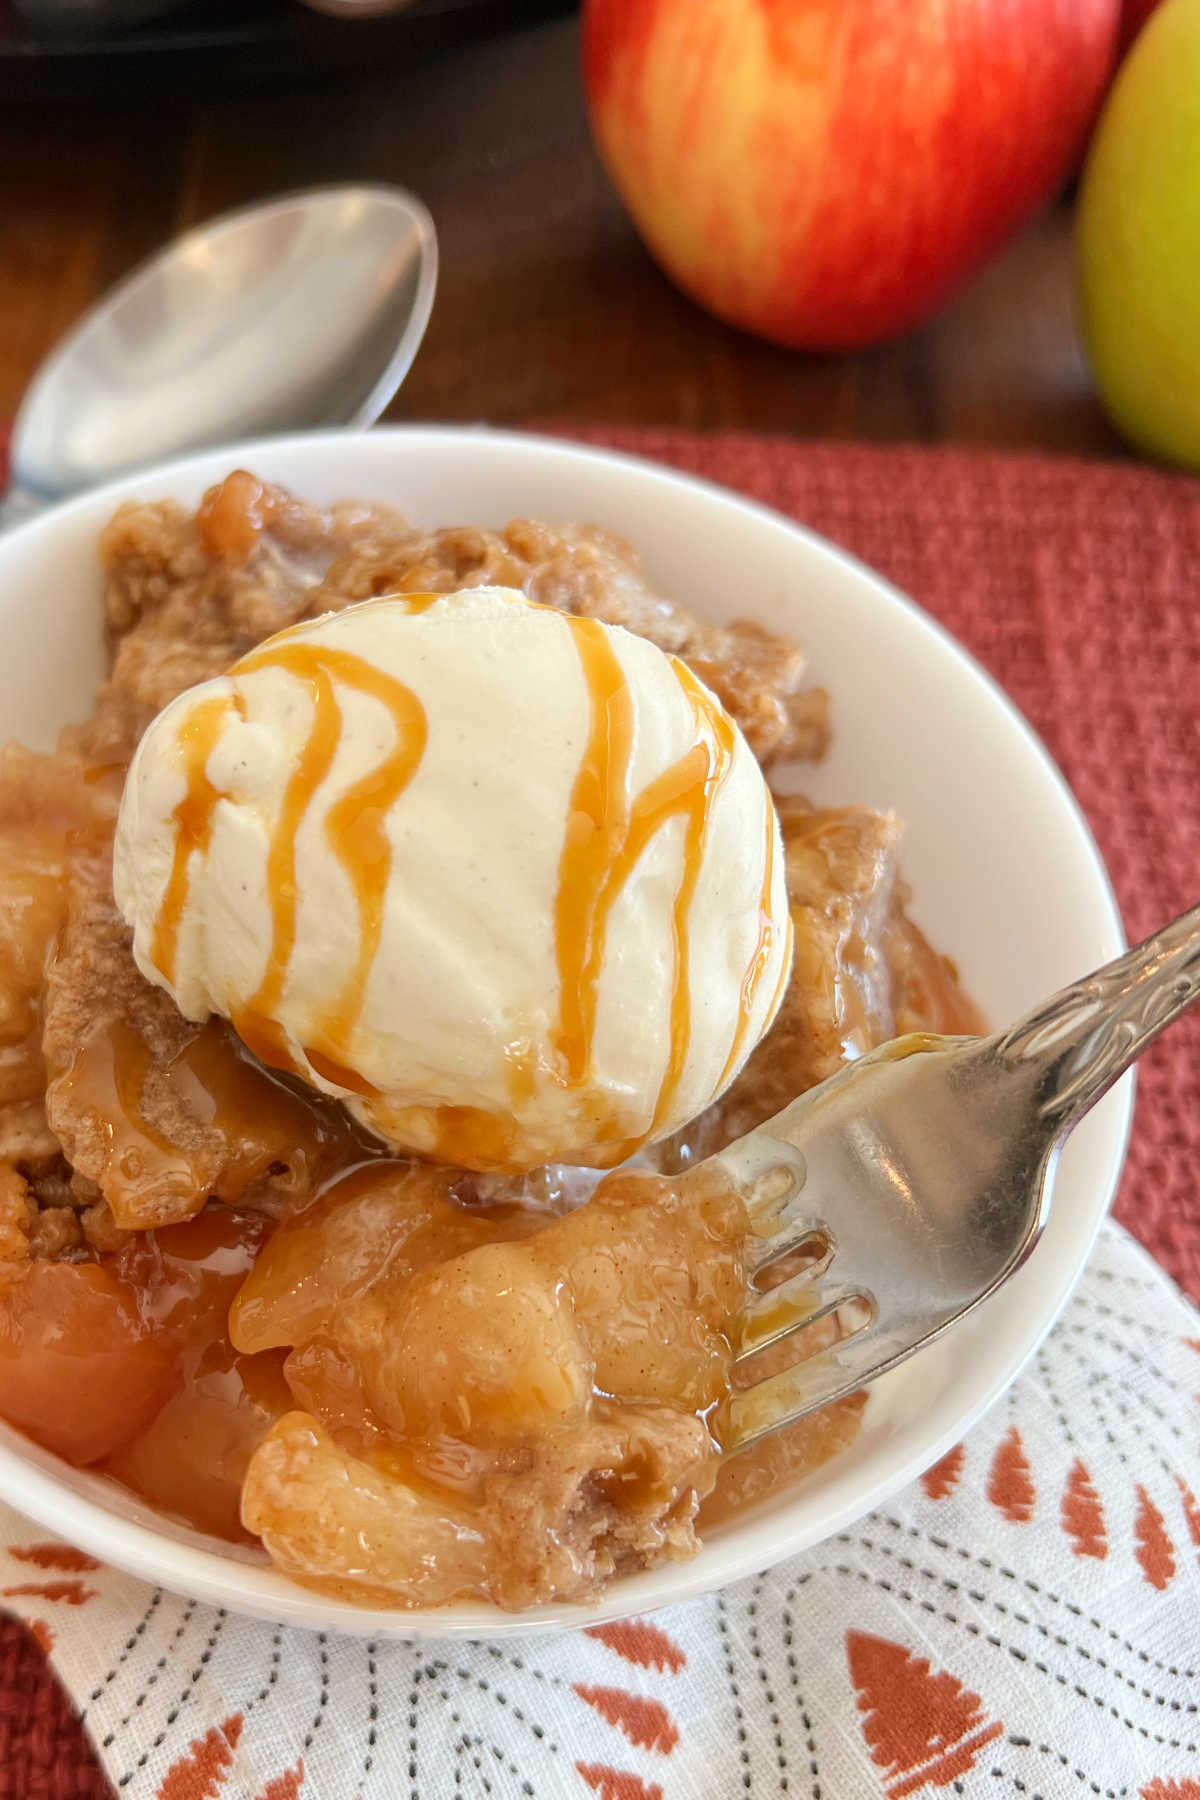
{"x": 1024, "y": 1620}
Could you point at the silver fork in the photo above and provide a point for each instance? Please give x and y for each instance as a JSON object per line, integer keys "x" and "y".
{"x": 920, "y": 1177}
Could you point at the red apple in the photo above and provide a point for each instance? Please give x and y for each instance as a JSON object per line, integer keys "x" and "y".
{"x": 825, "y": 172}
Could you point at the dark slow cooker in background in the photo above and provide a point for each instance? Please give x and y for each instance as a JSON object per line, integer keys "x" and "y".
{"x": 62, "y": 49}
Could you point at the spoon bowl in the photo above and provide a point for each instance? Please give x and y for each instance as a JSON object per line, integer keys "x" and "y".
{"x": 307, "y": 310}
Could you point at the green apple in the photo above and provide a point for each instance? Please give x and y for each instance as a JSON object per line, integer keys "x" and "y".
{"x": 1138, "y": 240}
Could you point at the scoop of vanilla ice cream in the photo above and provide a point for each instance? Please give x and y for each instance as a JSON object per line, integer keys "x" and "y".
{"x": 507, "y": 882}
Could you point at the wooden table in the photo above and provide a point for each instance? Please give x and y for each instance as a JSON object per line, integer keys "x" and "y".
{"x": 547, "y": 305}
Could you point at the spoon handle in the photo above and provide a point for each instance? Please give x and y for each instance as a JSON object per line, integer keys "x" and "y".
{"x": 1086, "y": 1037}
{"x": 16, "y": 505}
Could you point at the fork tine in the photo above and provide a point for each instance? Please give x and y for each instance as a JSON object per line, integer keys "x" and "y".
{"x": 817, "y": 1381}
{"x": 790, "y": 1234}
{"x": 783, "y": 1310}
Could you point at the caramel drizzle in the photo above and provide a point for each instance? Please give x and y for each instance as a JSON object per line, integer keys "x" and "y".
{"x": 757, "y": 966}
{"x": 695, "y": 803}
{"x": 597, "y": 826}
{"x": 193, "y": 818}
{"x": 606, "y": 836}
{"x": 356, "y": 827}
{"x": 785, "y": 970}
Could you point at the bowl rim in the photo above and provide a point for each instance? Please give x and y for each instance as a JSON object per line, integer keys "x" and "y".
{"x": 28, "y": 1482}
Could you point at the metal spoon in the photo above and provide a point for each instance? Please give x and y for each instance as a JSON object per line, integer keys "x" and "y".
{"x": 307, "y": 310}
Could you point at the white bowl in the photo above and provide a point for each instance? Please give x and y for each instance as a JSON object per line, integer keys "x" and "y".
{"x": 1005, "y": 875}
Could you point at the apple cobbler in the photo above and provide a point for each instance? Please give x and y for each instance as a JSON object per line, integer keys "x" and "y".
{"x": 410, "y": 1380}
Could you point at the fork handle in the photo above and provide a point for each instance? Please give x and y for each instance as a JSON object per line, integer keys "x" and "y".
{"x": 1086, "y": 1037}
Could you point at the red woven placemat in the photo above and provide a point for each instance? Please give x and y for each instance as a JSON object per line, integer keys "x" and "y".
{"x": 44, "y": 1751}
{"x": 1075, "y": 585}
